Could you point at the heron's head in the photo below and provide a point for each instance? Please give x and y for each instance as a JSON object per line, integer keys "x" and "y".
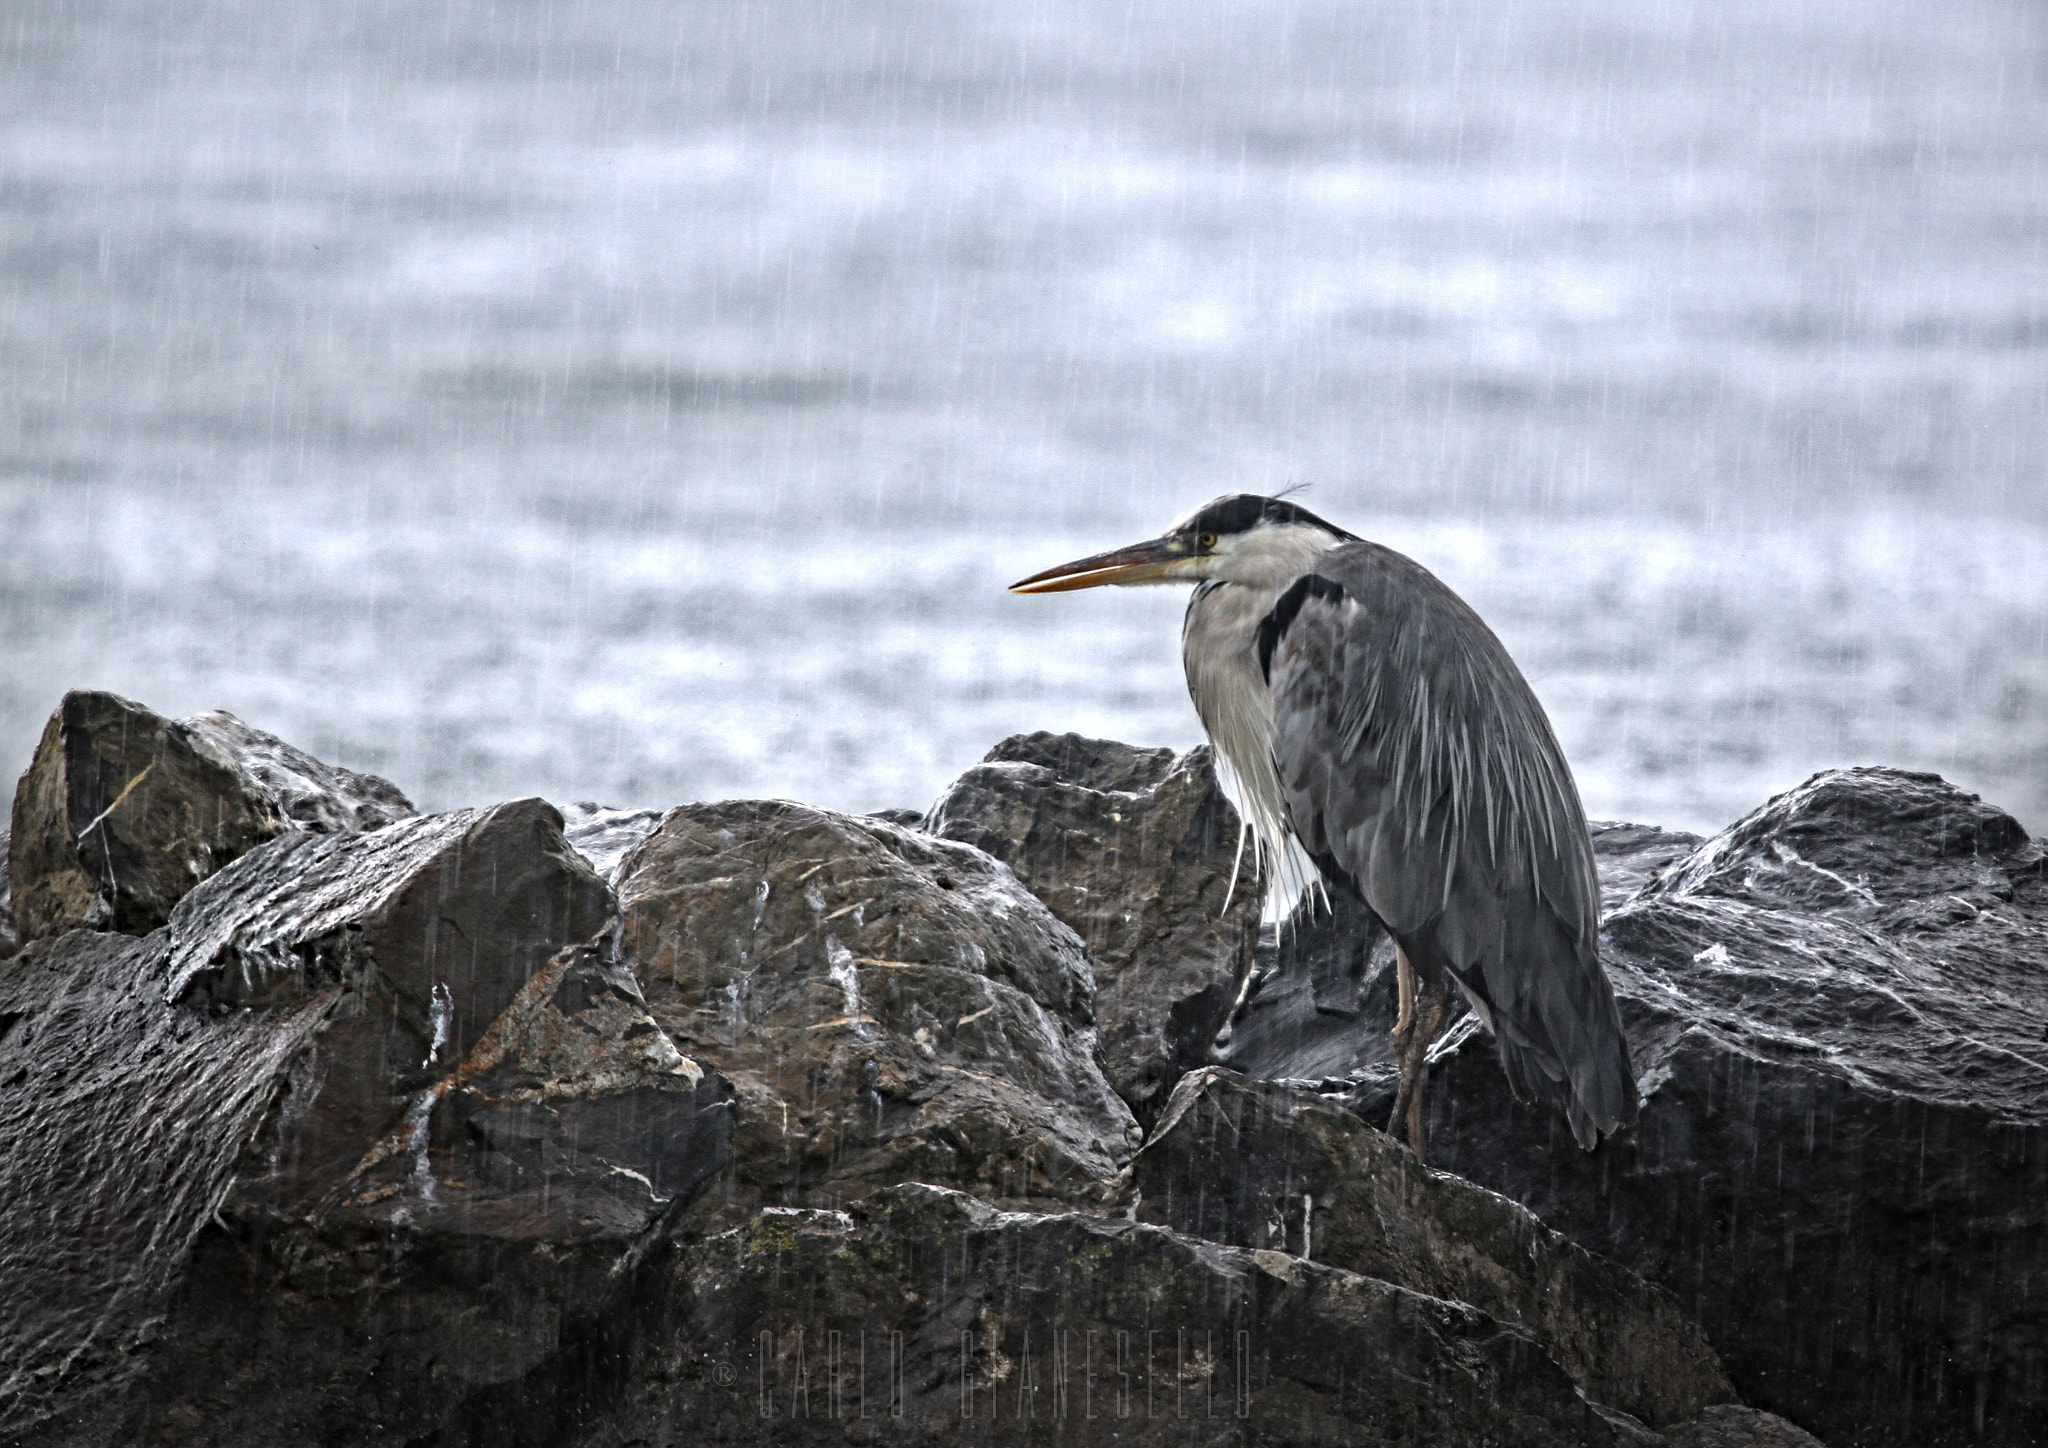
{"x": 1237, "y": 538}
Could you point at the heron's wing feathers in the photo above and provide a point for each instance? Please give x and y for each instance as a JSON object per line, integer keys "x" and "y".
{"x": 1417, "y": 763}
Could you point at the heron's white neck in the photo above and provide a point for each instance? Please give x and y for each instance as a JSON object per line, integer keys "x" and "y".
{"x": 1219, "y": 650}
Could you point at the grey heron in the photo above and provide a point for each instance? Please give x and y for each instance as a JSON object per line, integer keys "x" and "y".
{"x": 1368, "y": 714}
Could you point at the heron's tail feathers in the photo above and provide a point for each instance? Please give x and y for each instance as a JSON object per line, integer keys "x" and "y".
{"x": 1587, "y": 1075}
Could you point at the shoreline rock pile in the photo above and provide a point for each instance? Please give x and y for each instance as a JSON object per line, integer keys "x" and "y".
{"x": 323, "y": 1121}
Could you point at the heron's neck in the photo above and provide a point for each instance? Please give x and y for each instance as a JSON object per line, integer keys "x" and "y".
{"x": 1236, "y": 708}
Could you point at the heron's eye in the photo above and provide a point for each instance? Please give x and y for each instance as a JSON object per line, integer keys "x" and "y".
{"x": 1207, "y": 542}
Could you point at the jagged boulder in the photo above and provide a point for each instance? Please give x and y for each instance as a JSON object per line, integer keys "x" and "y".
{"x": 1259, "y": 1165}
{"x": 377, "y": 1120}
{"x": 1135, "y": 850}
{"x": 122, "y": 811}
{"x": 890, "y": 1007}
{"x": 473, "y": 1129}
{"x": 923, "y": 1316}
{"x": 1838, "y": 1016}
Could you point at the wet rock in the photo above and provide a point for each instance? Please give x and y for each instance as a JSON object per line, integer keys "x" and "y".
{"x": 1836, "y": 1013}
{"x": 1134, "y": 849}
{"x": 377, "y": 1121}
{"x": 1729, "y": 1425}
{"x": 1259, "y": 1165}
{"x": 9, "y": 940}
{"x": 311, "y": 794}
{"x": 430, "y": 927}
{"x": 124, "y": 1121}
{"x": 889, "y": 1006}
{"x": 1630, "y": 856}
{"x": 122, "y": 811}
{"x": 604, "y": 836}
{"x": 924, "y": 1316}
{"x": 574, "y": 1116}
{"x": 422, "y": 1135}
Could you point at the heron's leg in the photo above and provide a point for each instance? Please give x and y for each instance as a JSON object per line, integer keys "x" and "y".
{"x": 1421, "y": 1013}
{"x": 1404, "y": 1031}
{"x": 1429, "y": 1014}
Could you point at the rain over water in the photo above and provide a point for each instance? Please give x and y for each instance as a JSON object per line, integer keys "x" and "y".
{"x": 645, "y": 402}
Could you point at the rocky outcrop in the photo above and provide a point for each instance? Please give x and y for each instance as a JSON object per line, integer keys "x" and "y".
{"x": 756, "y": 1122}
{"x": 1837, "y": 1013}
{"x": 890, "y": 1007}
{"x": 367, "y": 1096}
{"x": 122, "y": 811}
{"x": 1137, "y": 850}
{"x": 1272, "y": 1167}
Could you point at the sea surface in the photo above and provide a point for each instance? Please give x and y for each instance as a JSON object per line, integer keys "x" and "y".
{"x": 642, "y": 402}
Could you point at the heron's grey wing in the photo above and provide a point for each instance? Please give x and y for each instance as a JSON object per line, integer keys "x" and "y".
{"x": 1418, "y": 765}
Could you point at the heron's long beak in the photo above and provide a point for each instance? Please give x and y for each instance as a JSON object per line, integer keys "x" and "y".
{"x": 1139, "y": 563}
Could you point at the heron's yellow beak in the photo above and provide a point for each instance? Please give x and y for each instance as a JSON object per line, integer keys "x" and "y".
{"x": 1139, "y": 563}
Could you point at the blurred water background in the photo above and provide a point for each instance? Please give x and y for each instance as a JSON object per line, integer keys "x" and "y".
{"x": 643, "y": 401}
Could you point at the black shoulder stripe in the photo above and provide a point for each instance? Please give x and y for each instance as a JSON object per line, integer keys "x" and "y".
{"x": 1273, "y": 627}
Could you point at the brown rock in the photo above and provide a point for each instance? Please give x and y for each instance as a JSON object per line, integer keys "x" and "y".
{"x": 1135, "y": 850}
{"x": 889, "y": 1006}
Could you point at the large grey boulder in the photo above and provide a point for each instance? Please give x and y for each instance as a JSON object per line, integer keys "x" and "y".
{"x": 122, "y": 811}
{"x": 890, "y": 1007}
{"x": 376, "y": 1120}
{"x": 1135, "y": 850}
{"x": 1839, "y": 1017}
{"x": 923, "y": 1316}
{"x": 1259, "y": 1165}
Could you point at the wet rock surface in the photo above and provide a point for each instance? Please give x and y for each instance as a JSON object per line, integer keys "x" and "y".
{"x": 925, "y": 1316}
{"x": 122, "y": 811}
{"x": 1135, "y": 850}
{"x": 376, "y": 1117}
{"x": 604, "y": 836}
{"x": 310, "y": 793}
{"x": 890, "y": 1007}
{"x": 752, "y": 1122}
{"x": 1838, "y": 1009}
{"x": 1260, "y": 1165}
{"x": 10, "y": 940}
